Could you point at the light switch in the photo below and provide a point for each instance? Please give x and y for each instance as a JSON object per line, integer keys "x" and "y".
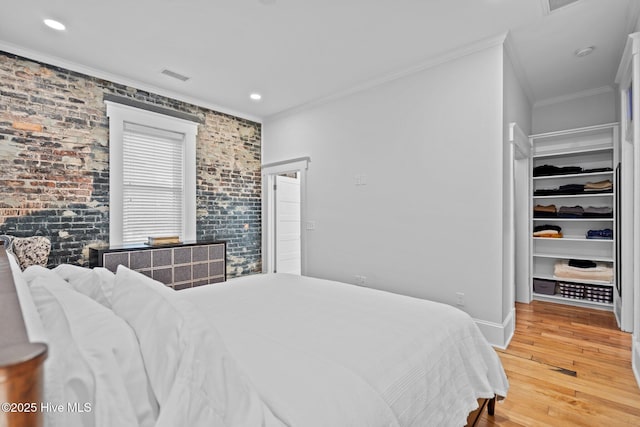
{"x": 361, "y": 179}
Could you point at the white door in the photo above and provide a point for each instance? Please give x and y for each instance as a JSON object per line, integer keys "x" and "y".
{"x": 287, "y": 224}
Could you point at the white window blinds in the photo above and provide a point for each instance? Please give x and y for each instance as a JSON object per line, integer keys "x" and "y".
{"x": 153, "y": 188}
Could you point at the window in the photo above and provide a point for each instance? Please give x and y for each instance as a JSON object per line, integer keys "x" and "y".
{"x": 151, "y": 175}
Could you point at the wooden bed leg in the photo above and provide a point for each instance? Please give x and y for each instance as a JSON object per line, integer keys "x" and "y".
{"x": 474, "y": 416}
{"x": 491, "y": 407}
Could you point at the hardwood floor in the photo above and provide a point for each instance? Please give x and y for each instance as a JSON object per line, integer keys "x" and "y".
{"x": 567, "y": 366}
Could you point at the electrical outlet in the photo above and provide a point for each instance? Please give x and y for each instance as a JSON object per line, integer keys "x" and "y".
{"x": 460, "y": 299}
{"x": 311, "y": 225}
{"x": 360, "y": 280}
{"x": 361, "y": 179}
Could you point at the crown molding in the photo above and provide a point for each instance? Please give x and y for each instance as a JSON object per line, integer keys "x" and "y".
{"x": 633, "y": 18}
{"x": 115, "y": 78}
{"x": 451, "y": 55}
{"x": 546, "y": 10}
{"x": 572, "y": 96}
{"x": 519, "y": 69}
{"x": 626, "y": 50}
{"x": 623, "y": 76}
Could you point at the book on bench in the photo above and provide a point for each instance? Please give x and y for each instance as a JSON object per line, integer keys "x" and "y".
{"x": 162, "y": 240}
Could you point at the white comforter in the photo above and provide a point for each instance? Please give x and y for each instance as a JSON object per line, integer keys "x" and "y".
{"x": 323, "y": 353}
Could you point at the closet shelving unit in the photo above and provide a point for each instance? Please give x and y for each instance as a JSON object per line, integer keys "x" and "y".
{"x": 592, "y": 147}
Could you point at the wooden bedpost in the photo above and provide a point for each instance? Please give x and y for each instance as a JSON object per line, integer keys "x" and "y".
{"x": 491, "y": 407}
{"x": 21, "y": 362}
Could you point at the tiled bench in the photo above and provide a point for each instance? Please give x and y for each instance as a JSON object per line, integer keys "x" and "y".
{"x": 179, "y": 266}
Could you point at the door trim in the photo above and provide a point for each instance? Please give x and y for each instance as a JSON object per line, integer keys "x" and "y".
{"x": 269, "y": 171}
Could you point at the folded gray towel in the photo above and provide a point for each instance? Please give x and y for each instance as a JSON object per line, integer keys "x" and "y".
{"x": 598, "y": 209}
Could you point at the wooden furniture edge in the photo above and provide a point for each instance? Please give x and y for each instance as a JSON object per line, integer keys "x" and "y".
{"x": 21, "y": 361}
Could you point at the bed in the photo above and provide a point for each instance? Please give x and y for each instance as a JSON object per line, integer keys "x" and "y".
{"x": 261, "y": 350}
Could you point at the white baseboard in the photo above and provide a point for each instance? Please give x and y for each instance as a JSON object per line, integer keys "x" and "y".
{"x": 499, "y": 334}
{"x": 635, "y": 359}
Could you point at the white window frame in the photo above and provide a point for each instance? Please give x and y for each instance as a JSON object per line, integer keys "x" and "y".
{"x": 119, "y": 114}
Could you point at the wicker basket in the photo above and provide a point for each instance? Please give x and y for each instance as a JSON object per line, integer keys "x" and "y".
{"x": 598, "y": 293}
{"x": 571, "y": 290}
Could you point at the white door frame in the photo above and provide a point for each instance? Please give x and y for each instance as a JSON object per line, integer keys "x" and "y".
{"x": 269, "y": 172}
{"x": 520, "y": 206}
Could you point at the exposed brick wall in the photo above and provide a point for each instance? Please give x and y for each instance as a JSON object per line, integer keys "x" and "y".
{"x": 54, "y": 164}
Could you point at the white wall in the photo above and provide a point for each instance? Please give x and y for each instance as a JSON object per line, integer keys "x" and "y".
{"x": 579, "y": 111}
{"x": 517, "y": 108}
{"x": 429, "y": 221}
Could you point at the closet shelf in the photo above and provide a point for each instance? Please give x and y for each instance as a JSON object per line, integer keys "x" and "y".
{"x": 573, "y": 175}
{"x": 572, "y": 256}
{"x": 574, "y": 301}
{"x": 574, "y": 151}
{"x": 573, "y": 196}
{"x": 584, "y": 282}
{"x": 555, "y": 219}
{"x": 573, "y": 239}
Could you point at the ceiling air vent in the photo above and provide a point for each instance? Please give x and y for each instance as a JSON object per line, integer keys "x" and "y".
{"x": 553, "y": 5}
{"x": 175, "y": 75}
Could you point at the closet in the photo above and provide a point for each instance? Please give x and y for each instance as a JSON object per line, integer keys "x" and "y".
{"x": 573, "y": 221}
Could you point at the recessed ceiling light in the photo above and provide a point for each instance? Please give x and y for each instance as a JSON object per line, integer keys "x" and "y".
{"x": 255, "y": 96}
{"x": 56, "y": 25}
{"x": 584, "y": 51}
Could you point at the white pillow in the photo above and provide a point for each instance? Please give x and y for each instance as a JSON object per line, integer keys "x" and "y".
{"x": 96, "y": 283}
{"x": 34, "y": 271}
{"x": 67, "y": 271}
{"x": 32, "y": 320}
{"x": 196, "y": 380}
{"x": 123, "y": 395}
{"x": 67, "y": 375}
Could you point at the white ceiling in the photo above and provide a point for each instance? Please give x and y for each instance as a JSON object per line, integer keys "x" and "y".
{"x": 296, "y": 52}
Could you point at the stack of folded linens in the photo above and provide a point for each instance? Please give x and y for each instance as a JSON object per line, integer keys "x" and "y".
{"x": 598, "y": 212}
{"x": 604, "y": 234}
{"x": 570, "y": 212}
{"x": 583, "y": 270}
{"x": 597, "y": 187}
{"x": 548, "y": 170}
{"x": 540, "y": 211}
{"x": 547, "y": 230}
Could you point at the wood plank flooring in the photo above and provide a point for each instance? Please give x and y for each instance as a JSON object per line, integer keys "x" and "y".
{"x": 567, "y": 366}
